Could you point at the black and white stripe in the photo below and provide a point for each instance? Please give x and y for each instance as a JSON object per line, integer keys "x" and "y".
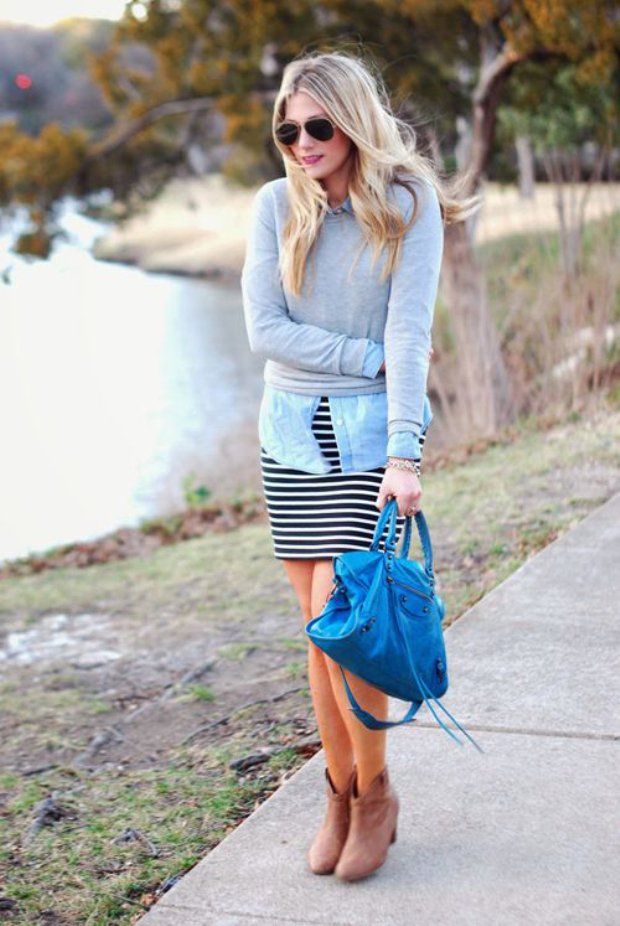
{"x": 316, "y": 516}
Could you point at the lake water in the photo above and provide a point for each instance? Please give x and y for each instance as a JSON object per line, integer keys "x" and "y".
{"x": 115, "y": 387}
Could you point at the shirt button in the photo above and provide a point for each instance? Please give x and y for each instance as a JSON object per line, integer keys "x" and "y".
{"x": 340, "y": 422}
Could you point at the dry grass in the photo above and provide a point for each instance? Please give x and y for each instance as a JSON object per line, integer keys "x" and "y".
{"x": 559, "y": 336}
{"x": 209, "y": 639}
{"x": 199, "y": 226}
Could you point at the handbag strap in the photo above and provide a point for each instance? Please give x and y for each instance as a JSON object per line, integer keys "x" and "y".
{"x": 389, "y": 515}
{"x": 406, "y": 541}
{"x": 373, "y": 723}
{"x": 386, "y": 511}
{"x": 425, "y": 540}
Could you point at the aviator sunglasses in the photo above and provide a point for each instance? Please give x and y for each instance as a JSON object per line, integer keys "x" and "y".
{"x": 318, "y": 128}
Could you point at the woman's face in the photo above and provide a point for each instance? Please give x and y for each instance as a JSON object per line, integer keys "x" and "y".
{"x": 320, "y": 159}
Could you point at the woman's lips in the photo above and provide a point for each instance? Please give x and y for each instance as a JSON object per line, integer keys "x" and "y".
{"x": 312, "y": 160}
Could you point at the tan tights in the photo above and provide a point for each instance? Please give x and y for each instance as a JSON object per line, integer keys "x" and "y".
{"x": 345, "y": 739}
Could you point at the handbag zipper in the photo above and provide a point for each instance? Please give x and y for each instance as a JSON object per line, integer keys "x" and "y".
{"x": 409, "y": 588}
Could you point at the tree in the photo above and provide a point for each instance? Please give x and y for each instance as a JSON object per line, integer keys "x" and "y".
{"x": 562, "y": 117}
{"x": 511, "y": 33}
{"x": 455, "y": 58}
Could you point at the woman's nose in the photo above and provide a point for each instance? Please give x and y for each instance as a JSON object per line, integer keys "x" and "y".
{"x": 305, "y": 140}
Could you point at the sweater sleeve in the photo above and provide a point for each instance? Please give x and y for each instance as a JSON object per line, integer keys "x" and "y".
{"x": 411, "y": 304}
{"x": 271, "y": 330}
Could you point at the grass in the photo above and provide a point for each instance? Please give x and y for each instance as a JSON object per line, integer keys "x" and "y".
{"x": 123, "y": 830}
{"x": 236, "y": 651}
{"x": 559, "y": 337}
{"x": 532, "y": 257}
{"x": 491, "y": 513}
{"x": 105, "y": 870}
{"x": 296, "y": 670}
{"x": 202, "y": 693}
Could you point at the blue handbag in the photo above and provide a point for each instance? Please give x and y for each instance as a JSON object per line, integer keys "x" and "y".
{"x": 382, "y": 621}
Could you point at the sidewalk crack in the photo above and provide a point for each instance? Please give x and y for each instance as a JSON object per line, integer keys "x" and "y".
{"x": 529, "y": 731}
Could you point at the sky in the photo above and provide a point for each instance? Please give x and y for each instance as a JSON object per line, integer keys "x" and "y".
{"x": 48, "y": 12}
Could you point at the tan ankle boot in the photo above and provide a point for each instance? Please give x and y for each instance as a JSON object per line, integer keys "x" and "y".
{"x": 372, "y": 829}
{"x": 327, "y": 846}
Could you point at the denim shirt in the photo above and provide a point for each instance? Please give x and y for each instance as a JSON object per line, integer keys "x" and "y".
{"x": 359, "y": 423}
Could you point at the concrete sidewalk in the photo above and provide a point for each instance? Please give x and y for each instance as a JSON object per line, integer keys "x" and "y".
{"x": 527, "y": 833}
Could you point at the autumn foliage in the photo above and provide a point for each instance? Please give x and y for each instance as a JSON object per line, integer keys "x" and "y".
{"x": 446, "y": 59}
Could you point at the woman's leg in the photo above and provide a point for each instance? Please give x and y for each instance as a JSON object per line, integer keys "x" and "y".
{"x": 368, "y": 745}
{"x": 332, "y": 729}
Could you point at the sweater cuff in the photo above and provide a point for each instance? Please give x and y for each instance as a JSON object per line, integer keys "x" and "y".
{"x": 373, "y": 358}
{"x": 353, "y": 356}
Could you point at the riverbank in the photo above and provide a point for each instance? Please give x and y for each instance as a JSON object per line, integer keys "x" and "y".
{"x": 148, "y": 704}
{"x": 198, "y": 227}
{"x": 195, "y": 227}
{"x": 215, "y": 516}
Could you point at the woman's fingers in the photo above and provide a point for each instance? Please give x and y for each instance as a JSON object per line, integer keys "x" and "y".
{"x": 408, "y": 505}
{"x": 404, "y": 487}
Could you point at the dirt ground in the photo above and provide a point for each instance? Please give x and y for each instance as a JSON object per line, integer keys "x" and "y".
{"x": 160, "y": 697}
{"x": 154, "y": 700}
{"x": 137, "y": 670}
{"x": 119, "y": 662}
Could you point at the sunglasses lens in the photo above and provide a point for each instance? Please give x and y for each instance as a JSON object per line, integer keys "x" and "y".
{"x": 287, "y": 132}
{"x": 321, "y": 129}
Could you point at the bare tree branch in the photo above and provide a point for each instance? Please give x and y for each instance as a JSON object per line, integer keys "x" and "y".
{"x": 123, "y": 133}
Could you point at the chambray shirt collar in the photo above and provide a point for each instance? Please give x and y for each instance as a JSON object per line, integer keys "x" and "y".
{"x": 344, "y": 206}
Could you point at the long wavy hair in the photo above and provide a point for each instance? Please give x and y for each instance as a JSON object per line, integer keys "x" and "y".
{"x": 383, "y": 152}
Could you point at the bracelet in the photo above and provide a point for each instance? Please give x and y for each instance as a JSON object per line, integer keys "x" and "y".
{"x": 410, "y": 466}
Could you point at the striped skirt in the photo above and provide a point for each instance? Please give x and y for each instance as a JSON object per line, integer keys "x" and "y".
{"x": 315, "y": 516}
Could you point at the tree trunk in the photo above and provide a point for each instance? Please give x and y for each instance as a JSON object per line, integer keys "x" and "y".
{"x": 525, "y": 164}
{"x": 483, "y": 398}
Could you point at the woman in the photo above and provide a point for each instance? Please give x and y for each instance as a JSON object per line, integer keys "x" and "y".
{"x": 344, "y": 409}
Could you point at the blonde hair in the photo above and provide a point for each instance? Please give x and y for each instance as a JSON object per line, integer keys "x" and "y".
{"x": 383, "y": 152}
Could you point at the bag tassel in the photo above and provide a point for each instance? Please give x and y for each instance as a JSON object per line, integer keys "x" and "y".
{"x": 428, "y": 696}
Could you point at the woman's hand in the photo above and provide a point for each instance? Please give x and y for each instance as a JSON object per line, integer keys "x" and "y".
{"x": 404, "y": 487}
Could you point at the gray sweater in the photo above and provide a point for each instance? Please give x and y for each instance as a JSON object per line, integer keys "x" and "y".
{"x": 316, "y": 343}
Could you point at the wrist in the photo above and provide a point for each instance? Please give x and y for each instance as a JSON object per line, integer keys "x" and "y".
{"x": 406, "y": 464}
